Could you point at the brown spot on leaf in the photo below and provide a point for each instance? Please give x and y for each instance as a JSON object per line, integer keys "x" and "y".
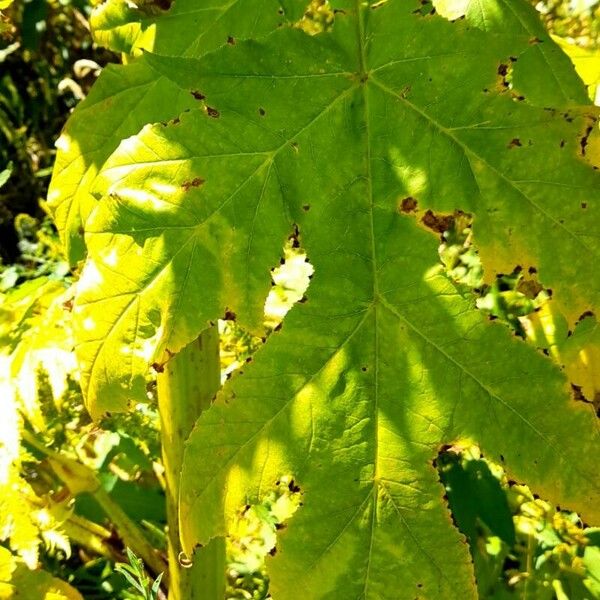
{"x": 437, "y": 223}
{"x": 261, "y": 112}
{"x": 408, "y": 204}
{"x": 503, "y": 75}
{"x": 194, "y": 183}
{"x": 584, "y": 140}
{"x": 577, "y": 393}
{"x": 231, "y": 40}
{"x": 534, "y": 41}
{"x": 515, "y": 143}
{"x": 585, "y": 315}
{"x": 158, "y": 367}
{"x": 229, "y": 315}
{"x": 212, "y": 112}
{"x": 197, "y": 95}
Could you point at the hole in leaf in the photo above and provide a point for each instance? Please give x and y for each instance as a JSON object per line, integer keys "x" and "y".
{"x": 236, "y": 346}
{"x": 505, "y": 74}
{"x": 318, "y": 18}
{"x": 253, "y": 536}
{"x": 290, "y": 282}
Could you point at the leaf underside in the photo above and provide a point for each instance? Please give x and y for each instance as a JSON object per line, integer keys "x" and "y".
{"x": 386, "y": 360}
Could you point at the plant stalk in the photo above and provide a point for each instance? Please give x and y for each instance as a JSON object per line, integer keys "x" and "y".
{"x": 130, "y": 533}
{"x": 186, "y": 387}
{"x": 79, "y": 478}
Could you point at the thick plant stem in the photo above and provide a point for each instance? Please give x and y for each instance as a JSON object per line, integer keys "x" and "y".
{"x": 186, "y": 387}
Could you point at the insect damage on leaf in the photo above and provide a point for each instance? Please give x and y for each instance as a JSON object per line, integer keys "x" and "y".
{"x": 318, "y": 18}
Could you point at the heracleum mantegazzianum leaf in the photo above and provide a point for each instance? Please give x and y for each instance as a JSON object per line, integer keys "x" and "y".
{"x": 386, "y": 360}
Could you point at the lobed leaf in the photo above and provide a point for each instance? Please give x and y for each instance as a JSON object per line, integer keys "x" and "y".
{"x": 346, "y": 139}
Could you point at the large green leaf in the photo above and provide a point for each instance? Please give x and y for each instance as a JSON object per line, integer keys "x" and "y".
{"x": 385, "y": 361}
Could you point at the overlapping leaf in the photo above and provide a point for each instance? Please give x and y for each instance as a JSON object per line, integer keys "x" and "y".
{"x": 126, "y": 98}
{"x": 347, "y": 137}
